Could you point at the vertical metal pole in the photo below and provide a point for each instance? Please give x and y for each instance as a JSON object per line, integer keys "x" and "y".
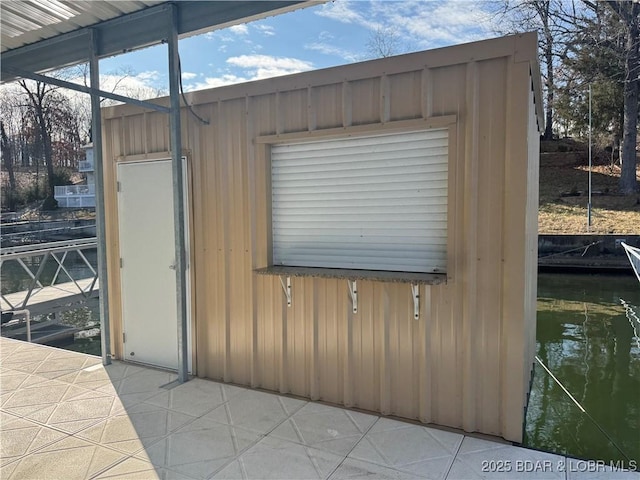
{"x": 96, "y": 134}
{"x": 178, "y": 193}
{"x": 589, "y": 204}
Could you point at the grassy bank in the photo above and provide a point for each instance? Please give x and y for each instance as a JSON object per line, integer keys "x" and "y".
{"x": 564, "y": 184}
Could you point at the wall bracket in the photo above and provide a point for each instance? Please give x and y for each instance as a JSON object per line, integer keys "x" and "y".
{"x": 415, "y": 293}
{"x": 353, "y": 290}
{"x": 286, "y": 287}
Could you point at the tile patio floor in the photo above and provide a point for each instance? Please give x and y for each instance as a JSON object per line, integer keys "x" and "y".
{"x": 65, "y": 416}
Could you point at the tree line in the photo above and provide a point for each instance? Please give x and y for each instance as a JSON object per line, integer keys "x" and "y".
{"x": 582, "y": 44}
{"x": 43, "y": 129}
{"x": 587, "y": 44}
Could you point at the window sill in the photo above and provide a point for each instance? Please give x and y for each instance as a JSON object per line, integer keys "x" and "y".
{"x": 370, "y": 275}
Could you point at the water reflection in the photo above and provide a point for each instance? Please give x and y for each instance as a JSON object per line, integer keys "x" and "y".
{"x": 588, "y": 338}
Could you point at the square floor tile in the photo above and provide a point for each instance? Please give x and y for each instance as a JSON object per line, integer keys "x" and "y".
{"x": 129, "y": 390}
{"x": 117, "y": 370}
{"x": 63, "y": 365}
{"x": 136, "y": 469}
{"x": 256, "y": 411}
{"x": 200, "y": 448}
{"x": 26, "y": 366}
{"x": 92, "y": 376}
{"x": 352, "y": 469}
{"x": 13, "y": 380}
{"x": 480, "y": 459}
{"x": 74, "y": 415}
{"x": 131, "y": 468}
{"x": 29, "y": 437}
{"x": 68, "y": 459}
{"x": 139, "y": 386}
{"x": 9, "y": 421}
{"x": 278, "y": 459}
{"x": 145, "y": 381}
{"x": 20, "y": 356}
{"x": 195, "y": 397}
{"x": 136, "y": 428}
{"x": 423, "y": 451}
{"x": 42, "y": 393}
{"x": 327, "y": 428}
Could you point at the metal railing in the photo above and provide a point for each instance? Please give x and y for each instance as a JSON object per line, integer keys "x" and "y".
{"x": 63, "y": 190}
{"x": 58, "y": 252}
{"x": 75, "y": 196}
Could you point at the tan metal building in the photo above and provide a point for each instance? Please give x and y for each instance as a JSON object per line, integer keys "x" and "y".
{"x": 363, "y": 235}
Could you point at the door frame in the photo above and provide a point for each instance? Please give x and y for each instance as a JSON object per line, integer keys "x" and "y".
{"x": 187, "y": 202}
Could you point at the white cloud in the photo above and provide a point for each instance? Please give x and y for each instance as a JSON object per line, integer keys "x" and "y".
{"x": 239, "y": 29}
{"x": 445, "y": 22}
{"x": 150, "y": 75}
{"x": 189, "y": 75}
{"x": 327, "y": 49}
{"x": 325, "y": 36}
{"x": 253, "y": 67}
{"x": 141, "y": 86}
{"x": 220, "y": 37}
{"x": 212, "y": 82}
{"x": 267, "y": 30}
{"x": 266, "y": 66}
{"x": 346, "y": 12}
{"x": 426, "y": 23}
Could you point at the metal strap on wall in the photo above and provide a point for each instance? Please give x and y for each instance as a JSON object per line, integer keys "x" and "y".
{"x": 353, "y": 291}
{"x": 286, "y": 288}
{"x": 415, "y": 293}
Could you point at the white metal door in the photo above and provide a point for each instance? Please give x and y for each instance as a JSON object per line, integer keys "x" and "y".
{"x": 147, "y": 249}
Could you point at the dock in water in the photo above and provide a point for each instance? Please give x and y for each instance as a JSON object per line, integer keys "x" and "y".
{"x": 52, "y": 296}
{"x": 46, "y": 300}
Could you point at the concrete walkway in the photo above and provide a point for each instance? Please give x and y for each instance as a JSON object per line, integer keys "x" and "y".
{"x": 64, "y": 416}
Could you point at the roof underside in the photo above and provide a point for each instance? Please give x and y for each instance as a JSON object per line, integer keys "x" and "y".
{"x": 42, "y": 35}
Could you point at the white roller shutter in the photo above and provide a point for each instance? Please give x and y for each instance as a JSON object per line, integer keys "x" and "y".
{"x": 371, "y": 202}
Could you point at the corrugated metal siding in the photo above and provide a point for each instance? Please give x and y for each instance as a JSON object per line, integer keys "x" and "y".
{"x": 465, "y": 363}
{"x": 371, "y": 202}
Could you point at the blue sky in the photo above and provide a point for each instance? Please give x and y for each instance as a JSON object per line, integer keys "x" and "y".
{"x": 319, "y": 36}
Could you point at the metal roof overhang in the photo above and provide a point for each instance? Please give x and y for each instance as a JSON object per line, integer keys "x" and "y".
{"x": 126, "y": 32}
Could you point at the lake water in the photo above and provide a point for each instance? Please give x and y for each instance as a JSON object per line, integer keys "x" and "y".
{"x": 588, "y": 339}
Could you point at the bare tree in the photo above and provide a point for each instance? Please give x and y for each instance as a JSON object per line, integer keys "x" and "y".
{"x": 629, "y": 15}
{"x": 39, "y": 97}
{"x": 552, "y": 19}
{"x": 7, "y": 162}
{"x": 384, "y": 42}
{"x": 48, "y": 125}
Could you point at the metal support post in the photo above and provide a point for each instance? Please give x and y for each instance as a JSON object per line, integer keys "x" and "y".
{"x": 27, "y": 317}
{"x": 178, "y": 193}
{"x": 589, "y": 203}
{"x": 96, "y": 137}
